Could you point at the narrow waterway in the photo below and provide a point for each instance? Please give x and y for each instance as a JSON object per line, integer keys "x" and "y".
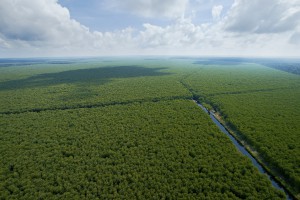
{"x": 243, "y": 150}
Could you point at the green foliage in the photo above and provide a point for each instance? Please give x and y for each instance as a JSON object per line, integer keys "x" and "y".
{"x": 291, "y": 67}
{"x": 270, "y": 121}
{"x": 263, "y": 105}
{"x": 236, "y": 79}
{"x": 156, "y": 150}
{"x": 73, "y": 87}
{"x": 123, "y": 128}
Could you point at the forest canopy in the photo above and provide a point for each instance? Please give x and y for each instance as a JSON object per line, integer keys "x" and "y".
{"x": 128, "y": 128}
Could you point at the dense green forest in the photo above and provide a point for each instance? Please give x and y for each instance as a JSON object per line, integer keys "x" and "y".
{"x": 77, "y": 85}
{"x": 262, "y": 105}
{"x": 167, "y": 149}
{"x": 126, "y": 128}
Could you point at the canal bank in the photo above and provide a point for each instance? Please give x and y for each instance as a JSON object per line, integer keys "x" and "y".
{"x": 246, "y": 151}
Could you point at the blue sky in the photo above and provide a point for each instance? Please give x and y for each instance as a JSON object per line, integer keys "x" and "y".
{"x": 35, "y": 28}
{"x": 98, "y": 16}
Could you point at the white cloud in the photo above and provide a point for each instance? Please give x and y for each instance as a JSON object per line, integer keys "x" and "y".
{"x": 216, "y": 12}
{"x": 150, "y": 8}
{"x": 184, "y": 37}
{"x": 180, "y": 34}
{"x": 39, "y": 27}
{"x": 295, "y": 38}
{"x": 274, "y": 24}
{"x": 267, "y": 16}
{"x": 40, "y": 22}
{"x": 45, "y": 28}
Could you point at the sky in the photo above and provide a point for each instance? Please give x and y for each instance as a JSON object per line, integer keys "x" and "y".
{"x": 59, "y": 28}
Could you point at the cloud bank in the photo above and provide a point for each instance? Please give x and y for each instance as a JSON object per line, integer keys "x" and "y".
{"x": 31, "y": 28}
{"x": 38, "y": 24}
{"x": 264, "y": 16}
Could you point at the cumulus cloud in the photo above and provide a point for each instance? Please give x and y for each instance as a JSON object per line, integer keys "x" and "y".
{"x": 36, "y": 26}
{"x": 267, "y": 16}
{"x": 45, "y": 28}
{"x": 184, "y": 37}
{"x": 40, "y": 22}
{"x": 182, "y": 33}
{"x": 216, "y": 12}
{"x": 151, "y": 8}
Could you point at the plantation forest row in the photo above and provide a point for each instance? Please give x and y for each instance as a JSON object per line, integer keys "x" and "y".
{"x": 128, "y": 128}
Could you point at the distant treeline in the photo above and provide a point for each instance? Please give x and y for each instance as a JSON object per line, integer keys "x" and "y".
{"x": 293, "y": 68}
{"x": 288, "y": 65}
